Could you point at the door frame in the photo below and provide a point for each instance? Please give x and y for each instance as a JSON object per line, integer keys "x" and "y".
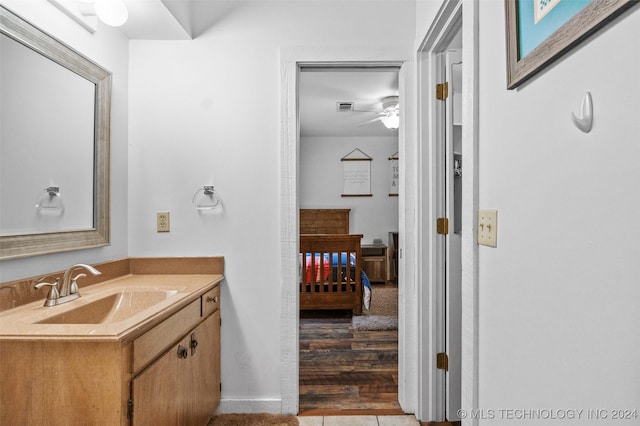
{"x": 291, "y": 59}
{"x": 429, "y": 270}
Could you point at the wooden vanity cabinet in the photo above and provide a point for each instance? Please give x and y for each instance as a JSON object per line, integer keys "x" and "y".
{"x": 131, "y": 381}
{"x": 182, "y": 385}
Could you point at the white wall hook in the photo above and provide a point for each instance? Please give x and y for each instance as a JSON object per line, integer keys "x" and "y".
{"x": 585, "y": 120}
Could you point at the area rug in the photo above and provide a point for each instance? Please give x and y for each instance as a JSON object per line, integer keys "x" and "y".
{"x": 384, "y": 301}
{"x": 253, "y": 420}
{"x": 374, "y": 323}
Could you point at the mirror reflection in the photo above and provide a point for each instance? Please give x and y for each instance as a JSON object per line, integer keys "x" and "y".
{"x": 46, "y": 139}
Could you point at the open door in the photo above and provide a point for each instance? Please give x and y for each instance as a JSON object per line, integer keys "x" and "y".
{"x": 450, "y": 231}
{"x": 453, "y": 188}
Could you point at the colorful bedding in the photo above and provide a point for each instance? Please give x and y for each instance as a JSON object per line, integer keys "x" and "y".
{"x": 329, "y": 265}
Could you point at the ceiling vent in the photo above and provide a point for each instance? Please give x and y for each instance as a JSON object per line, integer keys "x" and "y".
{"x": 344, "y": 106}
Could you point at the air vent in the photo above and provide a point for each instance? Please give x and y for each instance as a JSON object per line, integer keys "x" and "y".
{"x": 344, "y": 106}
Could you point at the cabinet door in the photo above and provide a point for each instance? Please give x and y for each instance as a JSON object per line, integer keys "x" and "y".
{"x": 160, "y": 392}
{"x": 205, "y": 371}
{"x": 183, "y": 386}
{"x": 374, "y": 266}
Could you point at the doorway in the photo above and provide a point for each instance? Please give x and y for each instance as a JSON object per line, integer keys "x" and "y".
{"x": 447, "y": 97}
{"x": 343, "y": 369}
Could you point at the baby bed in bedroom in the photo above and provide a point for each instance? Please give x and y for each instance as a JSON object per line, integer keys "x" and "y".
{"x": 331, "y": 275}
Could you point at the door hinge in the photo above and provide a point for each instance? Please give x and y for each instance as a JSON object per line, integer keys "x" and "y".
{"x": 442, "y": 226}
{"x": 130, "y": 409}
{"x": 442, "y": 361}
{"x": 442, "y": 91}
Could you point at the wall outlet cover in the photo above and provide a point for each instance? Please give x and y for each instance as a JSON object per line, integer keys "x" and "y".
{"x": 162, "y": 222}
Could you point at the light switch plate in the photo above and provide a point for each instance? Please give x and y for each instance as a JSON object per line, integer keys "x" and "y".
{"x": 488, "y": 228}
{"x": 162, "y": 221}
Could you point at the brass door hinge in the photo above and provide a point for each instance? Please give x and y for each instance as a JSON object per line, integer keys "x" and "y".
{"x": 442, "y": 361}
{"x": 442, "y": 226}
{"x": 442, "y": 91}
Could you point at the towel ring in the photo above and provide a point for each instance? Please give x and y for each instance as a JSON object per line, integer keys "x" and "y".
{"x": 50, "y": 201}
{"x": 206, "y": 198}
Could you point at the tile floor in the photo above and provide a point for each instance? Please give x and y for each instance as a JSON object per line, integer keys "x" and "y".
{"x": 408, "y": 420}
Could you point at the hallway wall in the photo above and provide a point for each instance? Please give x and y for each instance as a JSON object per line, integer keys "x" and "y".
{"x": 559, "y": 323}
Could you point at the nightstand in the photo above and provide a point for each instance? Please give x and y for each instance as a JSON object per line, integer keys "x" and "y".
{"x": 374, "y": 262}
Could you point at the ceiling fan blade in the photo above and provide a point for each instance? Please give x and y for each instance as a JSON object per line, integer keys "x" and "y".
{"x": 366, "y": 110}
{"x": 369, "y": 121}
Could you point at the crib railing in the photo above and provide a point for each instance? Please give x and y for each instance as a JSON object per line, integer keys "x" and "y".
{"x": 330, "y": 272}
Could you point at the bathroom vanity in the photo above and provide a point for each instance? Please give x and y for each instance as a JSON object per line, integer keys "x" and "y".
{"x": 140, "y": 348}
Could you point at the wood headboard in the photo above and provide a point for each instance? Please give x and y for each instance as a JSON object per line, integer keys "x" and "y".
{"x": 324, "y": 221}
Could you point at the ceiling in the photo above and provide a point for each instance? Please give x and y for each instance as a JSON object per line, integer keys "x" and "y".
{"x": 321, "y": 88}
{"x": 147, "y": 19}
{"x": 158, "y": 20}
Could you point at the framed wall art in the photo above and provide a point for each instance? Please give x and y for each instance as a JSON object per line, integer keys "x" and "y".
{"x": 356, "y": 169}
{"x": 540, "y": 31}
{"x": 394, "y": 170}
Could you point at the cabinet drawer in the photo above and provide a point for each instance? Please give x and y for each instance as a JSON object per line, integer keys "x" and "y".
{"x": 211, "y": 301}
{"x": 155, "y": 341}
{"x": 373, "y": 251}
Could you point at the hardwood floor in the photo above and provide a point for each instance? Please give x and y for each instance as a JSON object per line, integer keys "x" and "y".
{"x": 343, "y": 371}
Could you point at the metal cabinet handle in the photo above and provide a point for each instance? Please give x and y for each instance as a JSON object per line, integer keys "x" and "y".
{"x": 194, "y": 344}
{"x": 182, "y": 352}
{"x": 213, "y": 299}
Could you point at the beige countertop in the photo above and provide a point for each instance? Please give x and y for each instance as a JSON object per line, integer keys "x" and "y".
{"x": 22, "y": 323}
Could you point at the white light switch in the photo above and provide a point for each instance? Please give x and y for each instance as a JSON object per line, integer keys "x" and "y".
{"x": 488, "y": 227}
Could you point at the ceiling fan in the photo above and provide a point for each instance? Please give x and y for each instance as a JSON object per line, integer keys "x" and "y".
{"x": 389, "y": 116}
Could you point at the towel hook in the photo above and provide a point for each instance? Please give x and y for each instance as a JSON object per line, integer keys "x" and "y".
{"x": 585, "y": 120}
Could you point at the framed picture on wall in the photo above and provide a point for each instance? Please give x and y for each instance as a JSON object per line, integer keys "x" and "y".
{"x": 356, "y": 168}
{"x": 394, "y": 170}
{"x": 541, "y": 31}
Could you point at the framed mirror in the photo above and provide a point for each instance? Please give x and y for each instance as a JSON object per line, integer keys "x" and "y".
{"x": 55, "y": 107}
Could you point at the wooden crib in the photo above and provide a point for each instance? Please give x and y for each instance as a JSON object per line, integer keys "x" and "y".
{"x": 330, "y": 261}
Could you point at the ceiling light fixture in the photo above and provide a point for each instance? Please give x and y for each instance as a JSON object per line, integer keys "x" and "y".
{"x": 112, "y": 12}
{"x": 391, "y": 120}
{"x": 86, "y": 13}
{"x": 391, "y": 111}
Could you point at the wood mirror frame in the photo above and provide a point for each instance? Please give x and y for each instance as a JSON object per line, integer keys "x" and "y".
{"x": 22, "y": 245}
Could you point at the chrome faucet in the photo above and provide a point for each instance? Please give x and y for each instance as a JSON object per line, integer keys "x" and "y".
{"x": 69, "y": 285}
{"x": 69, "y": 290}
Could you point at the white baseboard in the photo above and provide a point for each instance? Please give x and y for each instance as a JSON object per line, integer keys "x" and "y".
{"x": 244, "y": 406}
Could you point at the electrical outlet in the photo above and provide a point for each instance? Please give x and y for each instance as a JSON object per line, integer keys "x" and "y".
{"x": 162, "y": 221}
{"x": 488, "y": 228}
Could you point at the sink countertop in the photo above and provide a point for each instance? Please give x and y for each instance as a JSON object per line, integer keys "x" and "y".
{"x": 20, "y": 323}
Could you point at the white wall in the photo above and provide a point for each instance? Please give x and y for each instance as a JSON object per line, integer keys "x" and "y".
{"x": 559, "y": 323}
{"x": 321, "y": 182}
{"x": 108, "y": 48}
{"x": 207, "y": 112}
